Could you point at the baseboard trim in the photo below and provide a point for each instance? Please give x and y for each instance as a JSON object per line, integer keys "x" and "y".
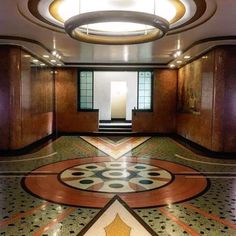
{"x": 34, "y": 147}
{"x": 200, "y": 150}
{"x": 194, "y": 147}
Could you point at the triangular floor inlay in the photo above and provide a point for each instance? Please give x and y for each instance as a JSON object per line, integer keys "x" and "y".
{"x": 115, "y": 139}
{"x": 115, "y": 149}
{"x": 117, "y": 219}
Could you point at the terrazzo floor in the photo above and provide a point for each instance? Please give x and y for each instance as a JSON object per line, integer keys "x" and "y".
{"x": 167, "y": 188}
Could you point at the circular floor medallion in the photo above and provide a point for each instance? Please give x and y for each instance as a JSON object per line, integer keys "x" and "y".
{"x": 93, "y": 182}
{"x": 111, "y": 177}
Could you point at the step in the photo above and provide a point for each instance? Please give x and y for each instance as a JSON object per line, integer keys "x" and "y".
{"x": 115, "y": 126}
{"x": 116, "y": 129}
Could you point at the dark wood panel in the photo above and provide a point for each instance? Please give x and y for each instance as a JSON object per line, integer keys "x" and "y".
{"x": 42, "y": 90}
{"x": 228, "y": 75}
{"x": 26, "y": 95}
{"x": 4, "y": 97}
{"x": 162, "y": 119}
{"x": 68, "y": 119}
{"x": 37, "y": 85}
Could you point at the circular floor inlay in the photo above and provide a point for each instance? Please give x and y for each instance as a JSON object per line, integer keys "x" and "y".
{"x": 103, "y": 177}
{"x": 92, "y": 182}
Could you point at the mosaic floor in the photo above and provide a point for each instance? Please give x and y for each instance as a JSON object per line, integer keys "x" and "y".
{"x": 117, "y": 186}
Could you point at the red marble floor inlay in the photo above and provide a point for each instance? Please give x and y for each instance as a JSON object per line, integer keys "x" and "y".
{"x": 51, "y": 187}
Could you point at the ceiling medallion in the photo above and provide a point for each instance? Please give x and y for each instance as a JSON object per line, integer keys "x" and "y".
{"x": 118, "y": 22}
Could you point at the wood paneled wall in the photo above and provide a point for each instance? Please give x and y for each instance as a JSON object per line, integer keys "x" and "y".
{"x": 68, "y": 118}
{"x": 226, "y": 77}
{"x": 26, "y": 95}
{"x": 37, "y": 99}
{"x": 198, "y": 127}
{"x": 9, "y": 71}
{"x": 27, "y": 102}
{"x": 163, "y": 117}
{"x": 215, "y": 127}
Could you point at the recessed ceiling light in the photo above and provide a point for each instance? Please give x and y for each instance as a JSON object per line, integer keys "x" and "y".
{"x": 177, "y": 54}
{"x": 35, "y": 60}
{"x": 42, "y": 64}
{"x": 53, "y": 61}
{"x": 54, "y": 53}
{"x": 187, "y": 57}
{"x": 59, "y": 64}
{"x": 204, "y": 57}
{"x": 26, "y": 56}
{"x": 172, "y": 66}
{"x": 46, "y": 56}
{"x": 179, "y": 62}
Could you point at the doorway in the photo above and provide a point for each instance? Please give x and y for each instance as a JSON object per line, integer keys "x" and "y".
{"x": 103, "y": 98}
{"x": 118, "y": 99}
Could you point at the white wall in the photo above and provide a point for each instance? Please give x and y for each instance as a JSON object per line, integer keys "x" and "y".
{"x": 118, "y": 99}
{"x": 102, "y": 91}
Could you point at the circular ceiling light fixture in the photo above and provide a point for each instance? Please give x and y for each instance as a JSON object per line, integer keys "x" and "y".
{"x": 116, "y": 27}
{"x": 113, "y": 21}
{"x": 117, "y": 21}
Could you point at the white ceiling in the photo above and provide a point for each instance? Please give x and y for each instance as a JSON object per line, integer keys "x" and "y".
{"x": 158, "y": 52}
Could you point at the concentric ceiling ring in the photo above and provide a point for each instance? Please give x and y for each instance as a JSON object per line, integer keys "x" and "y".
{"x": 189, "y": 14}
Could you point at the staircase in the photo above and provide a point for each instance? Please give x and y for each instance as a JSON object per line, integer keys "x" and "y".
{"x": 115, "y": 127}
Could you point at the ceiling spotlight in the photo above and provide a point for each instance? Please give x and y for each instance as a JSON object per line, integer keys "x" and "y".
{"x": 42, "y": 64}
{"x": 179, "y": 62}
{"x": 59, "y": 64}
{"x": 172, "y": 66}
{"x": 59, "y": 57}
{"x": 53, "y": 61}
{"x": 27, "y": 56}
{"x": 177, "y": 54}
{"x": 35, "y": 60}
{"x": 204, "y": 57}
{"x": 187, "y": 57}
{"x": 46, "y": 56}
{"x": 54, "y": 53}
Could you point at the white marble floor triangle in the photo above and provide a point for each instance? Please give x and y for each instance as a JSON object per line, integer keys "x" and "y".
{"x": 115, "y": 149}
{"x": 117, "y": 219}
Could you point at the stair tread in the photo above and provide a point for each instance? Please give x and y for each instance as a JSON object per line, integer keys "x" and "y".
{"x": 118, "y": 128}
{"x": 114, "y": 127}
{"x": 114, "y": 124}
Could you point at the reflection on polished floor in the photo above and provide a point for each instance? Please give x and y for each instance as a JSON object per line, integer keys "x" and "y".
{"x": 126, "y": 186}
